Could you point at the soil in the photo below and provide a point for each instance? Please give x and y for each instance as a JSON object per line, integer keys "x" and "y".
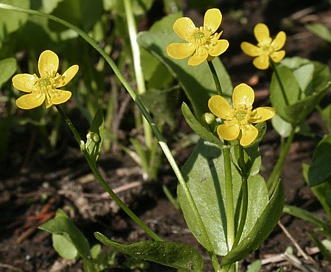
{"x": 34, "y": 184}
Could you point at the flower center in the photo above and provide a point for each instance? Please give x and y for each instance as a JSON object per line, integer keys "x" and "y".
{"x": 44, "y": 82}
{"x": 240, "y": 115}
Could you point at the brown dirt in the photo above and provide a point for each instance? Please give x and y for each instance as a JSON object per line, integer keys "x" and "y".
{"x": 31, "y": 180}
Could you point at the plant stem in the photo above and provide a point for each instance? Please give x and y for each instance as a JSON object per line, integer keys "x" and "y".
{"x": 215, "y": 77}
{"x": 275, "y": 174}
{"x": 141, "y": 88}
{"x": 229, "y": 207}
{"x": 244, "y": 192}
{"x": 98, "y": 176}
{"x": 280, "y": 82}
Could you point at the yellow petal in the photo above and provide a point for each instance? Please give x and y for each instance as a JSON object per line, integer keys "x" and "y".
{"x": 228, "y": 132}
{"x": 25, "y": 82}
{"x": 219, "y": 48}
{"x": 220, "y": 107}
{"x": 277, "y": 56}
{"x": 180, "y": 50}
{"x": 250, "y": 49}
{"x": 58, "y": 97}
{"x": 248, "y": 135}
{"x": 48, "y": 64}
{"x": 30, "y": 101}
{"x": 265, "y": 113}
{"x": 200, "y": 55}
{"x": 261, "y": 62}
{"x": 184, "y": 28}
{"x": 212, "y": 19}
{"x": 279, "y": 41}
{"x": 67, "y": 76}
{"x": 261, "y": 32}
{"x": 243, "y": 96}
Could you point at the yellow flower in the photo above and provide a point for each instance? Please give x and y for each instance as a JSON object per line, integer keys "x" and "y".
{"x": 202, "y": 42}
{"x": 46, "y": 87}
{"x": 266, "y": 47}
{"x": 237, "y": 121}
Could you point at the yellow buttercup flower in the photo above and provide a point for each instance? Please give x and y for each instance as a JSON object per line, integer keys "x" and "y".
{"x": 203, "y": 42}
{"x": 238, "y": 121}
{"x": 266, "y": 47}
{"x": 46, "y": 87}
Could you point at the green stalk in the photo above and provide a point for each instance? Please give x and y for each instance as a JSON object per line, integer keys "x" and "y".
{"x": 275, "y": 174}
{"x": 98, "y": 176}
{"x": 215, "y": 77}
{"x": 137, "y": 65}
{"x": 280, "y": 82}
{"x": 244, "y": 200}
{"x": 144, "y": 112}
{"x": 229, "y": 207}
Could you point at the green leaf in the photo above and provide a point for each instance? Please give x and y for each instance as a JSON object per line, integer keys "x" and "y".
{"x": 82, "y": 13}
{"x": 261, "y": 228}
{"x": 196, "y": 81}
{"x": 320, "y": 170}
{"x": 177, "y": 255}
{"x": 95, "y": 136}
{"x": 307, "y": 216}
{"x": 255, "y": 266}
{"x": 62, "y": 225}
{"x": 320, "y": 30}
{"x": 281, "y": 126}
{"x": 12, "y": 21}
{"x": 7, "y": 68}
{"x": 162, "y": 104}
{"x": 197, "y": 127}
{"x": 322, "y": 192}
{"x": 204, "y": 174}
{"x": 302, "y": 97}
{"x": 280, "y": 101}
{"x": 64, "y": 248}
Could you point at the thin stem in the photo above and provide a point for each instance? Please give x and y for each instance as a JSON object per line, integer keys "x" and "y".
{"x": 137, "y": 65}
{"x": 230, "y": 227}
{"x": 244, "y": 193}
{"x": 275, "y": 174}
{"x": 98, "y": 176}
{"x": 215, "y": 77}
{"x": 280, "y": 82}
{"x": 135, "y": 98}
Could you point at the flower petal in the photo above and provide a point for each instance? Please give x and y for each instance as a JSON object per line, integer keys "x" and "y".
{"x": 261, "y": 32}
{"x": 248, "y": 135}
{"x": 212, "y": 20}
{"x": 279, "y": 41}
{"x": 200, "y": 55}
{"x": 264, "y": 113}
{"x": 30, "y": 101}
{"x": 250, "y": 49}
{"x": 180, "y": 50}
{"x": 184, "y": 28}
{"x": 25, "y": 82}
{"x": 219, "y": 48}
{"x": 243, "y": 96}
{"x": 228, "y": 132}
{"x": 58, "y": 97}
{"x": 67, "y": 76}
{"x": 278, "y": 56}
{"x": 261, "y": 62}
{"x": 220, "y": 107}
{"x": 48, "y": 64}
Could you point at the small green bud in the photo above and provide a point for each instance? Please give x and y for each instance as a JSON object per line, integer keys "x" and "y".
{"x": 208, "y": 117}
